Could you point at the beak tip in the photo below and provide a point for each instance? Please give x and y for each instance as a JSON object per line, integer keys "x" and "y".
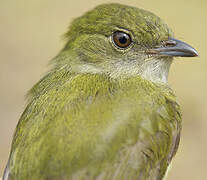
{"x": 195, "y": 54}
{"x": 190, "y": 51}
{"x": 184, "y": 49}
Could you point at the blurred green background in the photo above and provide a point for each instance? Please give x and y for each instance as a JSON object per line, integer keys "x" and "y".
{"x": 30, "y": 34}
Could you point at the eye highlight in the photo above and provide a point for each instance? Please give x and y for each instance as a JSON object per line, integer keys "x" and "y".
{"x": 121, "y": 39}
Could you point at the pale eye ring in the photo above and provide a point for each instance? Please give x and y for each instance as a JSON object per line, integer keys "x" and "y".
{"x": 121, "y": 39}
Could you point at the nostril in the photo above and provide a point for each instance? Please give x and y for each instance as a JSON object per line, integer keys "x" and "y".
{"x": 170, "y": 42}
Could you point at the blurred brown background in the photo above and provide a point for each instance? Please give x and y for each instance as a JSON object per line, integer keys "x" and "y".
{"x": 30, "y": 34}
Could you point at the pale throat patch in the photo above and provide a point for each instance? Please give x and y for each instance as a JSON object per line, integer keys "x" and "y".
{"x": 155, "y": 70}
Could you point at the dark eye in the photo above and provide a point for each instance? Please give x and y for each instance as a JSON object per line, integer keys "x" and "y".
{"x": 121, "y": 39}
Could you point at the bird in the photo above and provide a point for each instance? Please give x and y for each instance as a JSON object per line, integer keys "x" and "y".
{"x": 105, "y": 110}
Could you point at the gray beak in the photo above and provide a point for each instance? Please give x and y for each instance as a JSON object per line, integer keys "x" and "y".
{"x": 174, "y": 47}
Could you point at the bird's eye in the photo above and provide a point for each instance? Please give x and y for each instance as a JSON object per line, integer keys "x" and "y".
{"x": 121, "y": 39}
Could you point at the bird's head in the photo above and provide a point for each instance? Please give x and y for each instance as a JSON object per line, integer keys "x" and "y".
{"x": 123, "y": 41}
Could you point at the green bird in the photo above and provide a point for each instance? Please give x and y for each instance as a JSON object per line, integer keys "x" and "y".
{"x": 105, "y": 110}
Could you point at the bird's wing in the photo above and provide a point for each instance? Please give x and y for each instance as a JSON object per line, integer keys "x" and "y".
{"x": 91, "y": 127}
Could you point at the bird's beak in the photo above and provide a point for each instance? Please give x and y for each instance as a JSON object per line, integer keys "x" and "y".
{"x": 174, "y": 47}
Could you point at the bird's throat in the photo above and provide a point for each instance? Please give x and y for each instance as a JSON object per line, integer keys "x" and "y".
{"x": 156, "y": 70}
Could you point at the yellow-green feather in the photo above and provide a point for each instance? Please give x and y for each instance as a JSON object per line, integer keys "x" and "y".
{"x": 92, "y": 126}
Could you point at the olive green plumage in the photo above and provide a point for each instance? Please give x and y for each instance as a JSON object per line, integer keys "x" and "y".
{"x": 91, "y": 126}
{"x": 101, "y": 112}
